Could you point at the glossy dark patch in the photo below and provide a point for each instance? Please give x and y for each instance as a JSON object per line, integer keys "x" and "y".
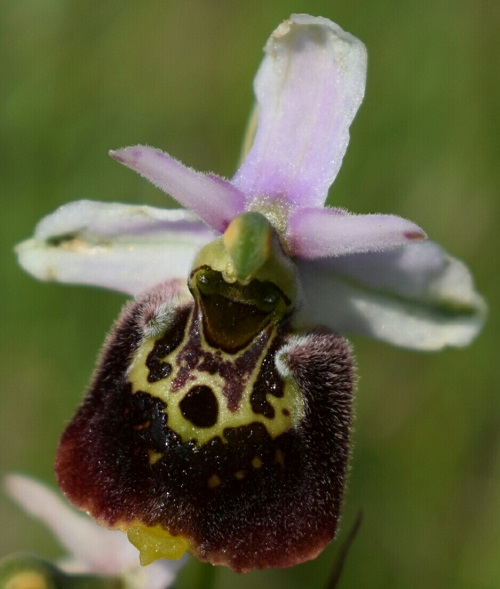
{"x": 199, "y": 406}
{"x": 231, "y": 325}
{"x": 234, "y": 314}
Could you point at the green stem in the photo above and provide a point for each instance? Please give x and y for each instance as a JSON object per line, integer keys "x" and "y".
{"x": 343, "y": 552}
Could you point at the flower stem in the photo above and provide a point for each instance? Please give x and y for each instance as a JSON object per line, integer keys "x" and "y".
{"x": 343, "y": 552}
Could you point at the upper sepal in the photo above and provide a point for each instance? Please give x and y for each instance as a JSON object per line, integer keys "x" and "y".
{"x": 308, "y": 88}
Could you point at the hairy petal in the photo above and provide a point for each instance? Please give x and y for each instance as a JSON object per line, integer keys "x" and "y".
{"x": 214, "y": 199}
{"x": 122, "y": 247}
{"x": 309, "y": 87}
{"x": 94, "y": 549}
{"x": 416, "y": 296}
{"x": 318, "y": 233}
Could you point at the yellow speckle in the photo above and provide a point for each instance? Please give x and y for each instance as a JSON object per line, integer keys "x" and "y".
{"x": 279, "y": 458}
{"x": 154, "y": 542}
{"x": 142, "y": 426}
{"x": 26, "y": 580}
{"x": 240, "y": 474}
{"x": 214, "y": 481}
{"x": 257, "y": 462}
{"x": 153, "y": 456}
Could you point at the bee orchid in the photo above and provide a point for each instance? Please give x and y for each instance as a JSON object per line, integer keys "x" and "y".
{"x": 218, "y": 420}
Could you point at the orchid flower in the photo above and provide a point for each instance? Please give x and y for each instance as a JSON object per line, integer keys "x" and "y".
{"x": 218, "y": 419}
{"x": 92, "y": 549}
{"x": 369, "y": 274}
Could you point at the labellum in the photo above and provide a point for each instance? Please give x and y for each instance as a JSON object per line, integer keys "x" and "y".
{"x": 213, "y": 423}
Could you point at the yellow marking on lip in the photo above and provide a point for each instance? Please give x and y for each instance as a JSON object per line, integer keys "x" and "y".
{"x": 214, "y": 481}
{"x": 142, "y": 426}
{"x": 153, "y": 542}
{"x": 257, "y": 462}
{"x": 153, "y": 456}
{"x": 288, "y": 409}
{"x": 279, "y": 457}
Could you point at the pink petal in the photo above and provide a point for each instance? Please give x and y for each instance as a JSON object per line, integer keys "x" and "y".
{"x": 318, "y": 233}
{"x": 212, "y": 198}
{"x": 309, "y": 87}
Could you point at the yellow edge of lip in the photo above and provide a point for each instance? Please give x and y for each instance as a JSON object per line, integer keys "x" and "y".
{"x": 154, "y": 542}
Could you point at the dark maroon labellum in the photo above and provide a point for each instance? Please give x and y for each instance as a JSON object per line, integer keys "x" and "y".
{"x": 241, "y": 454}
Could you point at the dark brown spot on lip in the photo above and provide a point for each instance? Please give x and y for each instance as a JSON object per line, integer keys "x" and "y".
{"x": 268, "y": 382}
{"x": 199, "y": 406}
{"x": 158, "y": 369}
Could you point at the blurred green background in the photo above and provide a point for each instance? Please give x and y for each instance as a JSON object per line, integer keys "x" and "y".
{"x": 78, "y": 78}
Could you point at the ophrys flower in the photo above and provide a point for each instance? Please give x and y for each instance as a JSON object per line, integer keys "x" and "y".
{"x": 218, "y": 419}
